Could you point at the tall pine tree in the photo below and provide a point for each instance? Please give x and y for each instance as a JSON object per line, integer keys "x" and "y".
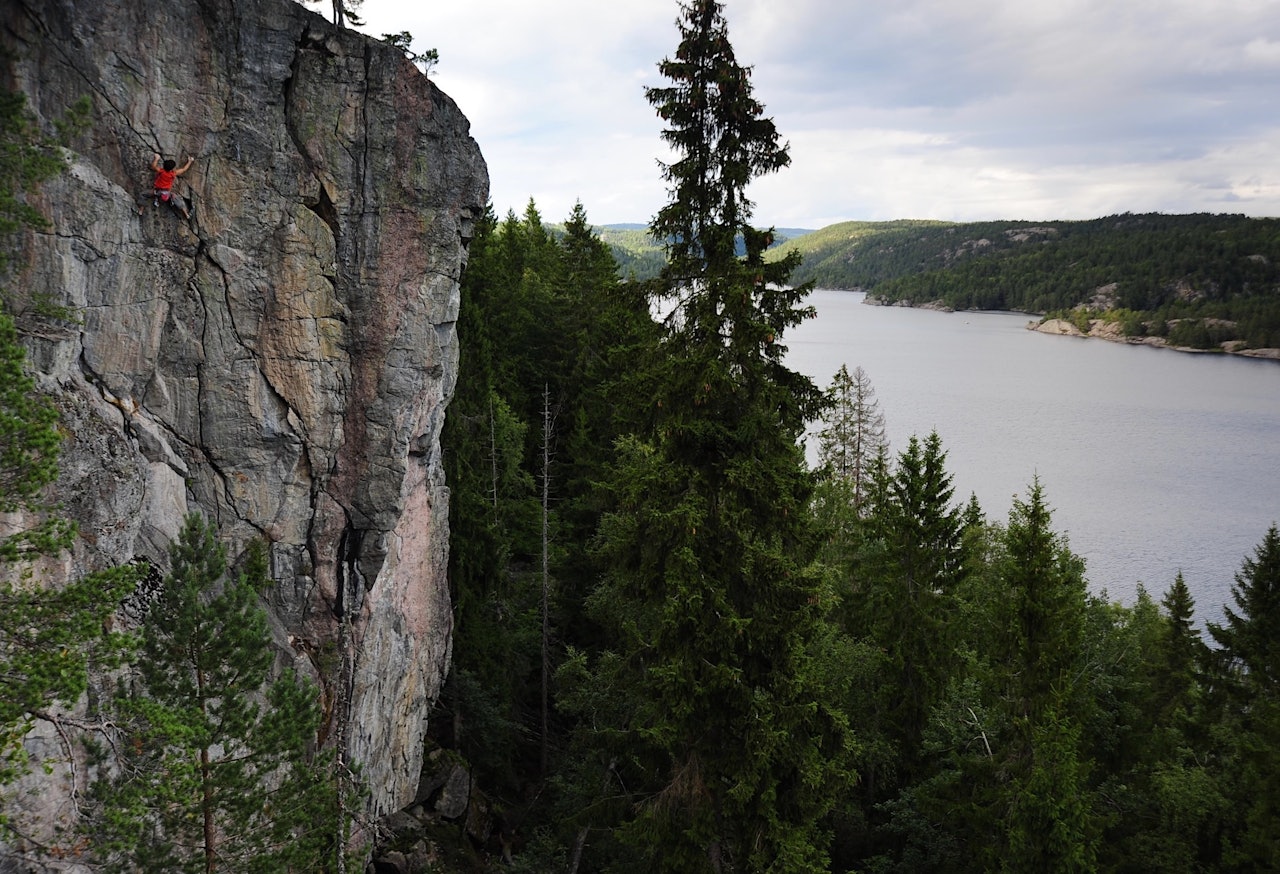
{"x": 726, "y": 730}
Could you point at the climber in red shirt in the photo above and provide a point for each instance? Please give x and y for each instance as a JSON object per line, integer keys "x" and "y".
{"x": 162, "y": 188}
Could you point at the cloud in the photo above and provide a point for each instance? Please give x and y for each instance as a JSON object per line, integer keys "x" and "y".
{"x": 919, "y": 108}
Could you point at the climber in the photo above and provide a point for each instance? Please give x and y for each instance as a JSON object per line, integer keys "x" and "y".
{"x": 162, "y": 188}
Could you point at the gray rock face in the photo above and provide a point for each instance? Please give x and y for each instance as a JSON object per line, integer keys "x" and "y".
{"x": 283, "y": 361}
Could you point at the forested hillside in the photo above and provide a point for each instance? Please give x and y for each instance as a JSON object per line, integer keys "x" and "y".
{"x": 1205, "y": 279}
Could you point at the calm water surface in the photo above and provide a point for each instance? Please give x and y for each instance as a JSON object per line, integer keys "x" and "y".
{"x": 1153, "y": 461}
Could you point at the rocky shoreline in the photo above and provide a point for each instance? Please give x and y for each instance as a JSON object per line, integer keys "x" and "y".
{"x": 1105, "y": 330}
{"x": 1101, "y": 329}
{"x": 935, "y": 305}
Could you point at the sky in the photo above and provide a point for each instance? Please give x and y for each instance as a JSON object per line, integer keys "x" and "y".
{"x": 910, "y": 109}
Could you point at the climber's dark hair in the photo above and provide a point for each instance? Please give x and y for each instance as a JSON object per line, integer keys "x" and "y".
{"x": 170, "y": 164}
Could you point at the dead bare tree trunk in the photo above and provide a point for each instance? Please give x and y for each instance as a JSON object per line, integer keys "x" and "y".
{"x": 547, "y": 427}
{"x": 493, "y": 459}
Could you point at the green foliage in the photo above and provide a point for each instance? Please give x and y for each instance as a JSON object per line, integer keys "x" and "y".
{"x": 1250, "y": 664}
{"x": 717, "y": 128}
{"x": 873, "y": 251}
{"x": 1044, "y": 610}
{"x": 29, "y": 444}
{"x": 29, "y": 438}
{"x": 48, "y": 641}
{"x": 731, "y": 721}
{"x": 51, "y": 634}
{"x": 905, "y": 582}
{"x": 996, "y": 715}
{"x": 404, "y": 42}
{"x": 26, "y": 160}
{"x": 1212, "y": 278}
{"x": 214, "y": 769}
{"x": 1005, "y": 779}
{"x": 638, "y": 254}
{"x": 1048, "y": 822}
{"x": 1180, "y": 656}
{"x": 1250, "y": 638}
{"x": 539, "y": 309}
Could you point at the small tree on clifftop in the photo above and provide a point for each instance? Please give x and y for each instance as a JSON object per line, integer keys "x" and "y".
{"x": 344, "y": 11}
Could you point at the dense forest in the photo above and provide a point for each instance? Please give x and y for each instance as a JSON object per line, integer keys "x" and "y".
{"x": 678, "y": 648}
{"x": 1198, "y": 280}
{"x": 985, "y": 710}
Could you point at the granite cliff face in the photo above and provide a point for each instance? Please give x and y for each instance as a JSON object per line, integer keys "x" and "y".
{"x": 280, "y": 363}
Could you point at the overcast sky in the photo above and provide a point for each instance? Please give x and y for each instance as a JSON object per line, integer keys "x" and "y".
{"x": 986, "y": 109}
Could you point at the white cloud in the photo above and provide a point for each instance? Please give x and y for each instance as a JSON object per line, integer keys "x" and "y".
{"x": 918, "y": 108}
{"x": 1263, "y": 53}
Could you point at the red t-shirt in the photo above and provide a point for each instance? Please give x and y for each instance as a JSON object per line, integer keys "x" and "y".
{"x": 164, "y": 180}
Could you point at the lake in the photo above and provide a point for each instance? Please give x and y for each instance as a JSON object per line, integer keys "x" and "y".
{"x": 1154, "y": 461}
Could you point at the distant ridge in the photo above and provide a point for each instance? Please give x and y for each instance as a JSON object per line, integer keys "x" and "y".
{"x": 785, "y": 233}
{"x": 640, "y": 257}
{"x": 1202, "y": 280}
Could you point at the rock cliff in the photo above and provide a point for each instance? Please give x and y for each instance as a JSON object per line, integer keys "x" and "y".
{"x": 281, "y": 362}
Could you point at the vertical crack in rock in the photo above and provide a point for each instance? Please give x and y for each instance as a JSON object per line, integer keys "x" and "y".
{"x": 351, "y": 585}
{"x": 324, "y": 208}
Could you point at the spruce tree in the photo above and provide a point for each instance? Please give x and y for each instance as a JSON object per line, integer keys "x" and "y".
{"x": 1154, "y": 756}
{"x": 1250, "y": 654}
{"x": 612, "y": 331}
{"x": 1010, "y": 789}
{"x": 1182, "y": 655}
{"x": 215, "y": 766}
{"x": 909, "y": 569}
{"x": 484, "y": 444}
{"x": 539, "y": 311}
{"x": 1250, "y": 638}
{"x": 1045, "y": 807}
{"x": 725, "y": 729}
